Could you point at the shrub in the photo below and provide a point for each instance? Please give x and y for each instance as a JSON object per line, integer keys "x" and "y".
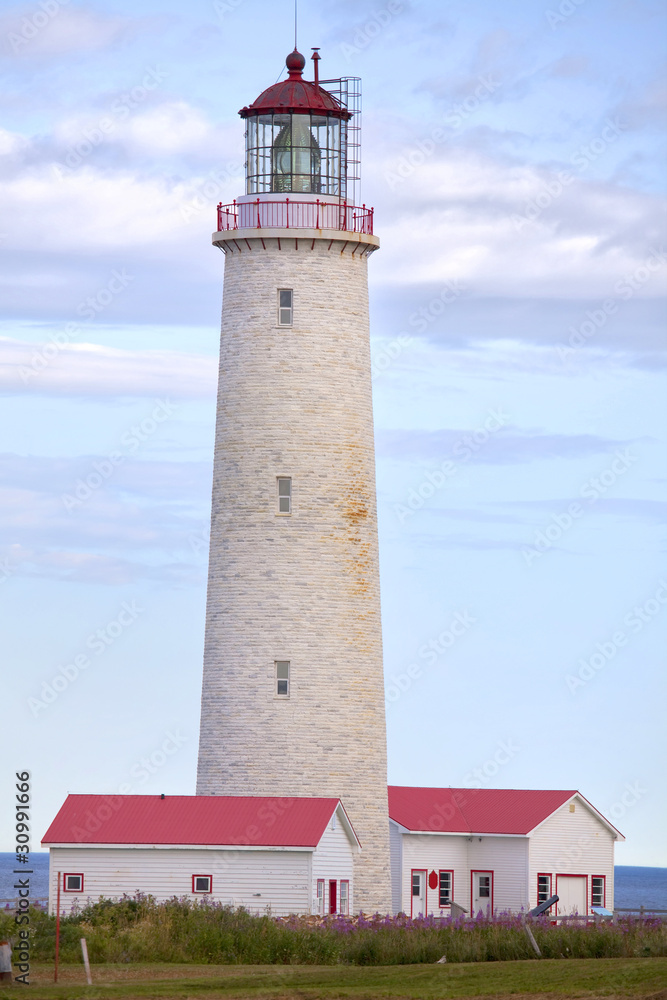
{"x": 137, "y": 929}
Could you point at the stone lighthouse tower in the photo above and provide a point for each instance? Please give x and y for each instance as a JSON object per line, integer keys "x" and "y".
{"x": 293, "y": 697}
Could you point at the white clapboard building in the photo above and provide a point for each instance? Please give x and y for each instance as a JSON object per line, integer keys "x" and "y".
{"x": 268, "y": 854}
{"x": 491, "y": 850}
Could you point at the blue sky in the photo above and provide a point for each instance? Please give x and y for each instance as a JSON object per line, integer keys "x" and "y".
{"x": 514, "y": 154}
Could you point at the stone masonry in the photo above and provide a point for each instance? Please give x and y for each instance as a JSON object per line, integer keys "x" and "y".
{"x": 296, "y": 401}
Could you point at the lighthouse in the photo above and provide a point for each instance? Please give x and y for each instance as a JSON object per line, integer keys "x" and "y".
{"x": 293, "y": 694}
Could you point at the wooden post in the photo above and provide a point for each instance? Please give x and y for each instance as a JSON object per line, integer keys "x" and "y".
{"x": 84, "y": 952}
{"x": 5, "y": 962}
{"x": 531, "y": 938}
{"x": 55, "y": 971}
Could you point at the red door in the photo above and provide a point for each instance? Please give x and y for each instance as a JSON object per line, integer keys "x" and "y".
{"x": 332, "y": 896}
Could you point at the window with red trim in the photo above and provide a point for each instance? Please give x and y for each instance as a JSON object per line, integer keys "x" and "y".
{"x": 202, "y": 883}
{"x": 72, "y": 882}
{"x": 445, "y": 887}
{"x": 598, "y": 890}
{"x": 543, "y": 888}
{"x": 344, "y": 900}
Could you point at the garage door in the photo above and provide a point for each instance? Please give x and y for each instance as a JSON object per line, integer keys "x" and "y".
{"x": 571, "y": 890}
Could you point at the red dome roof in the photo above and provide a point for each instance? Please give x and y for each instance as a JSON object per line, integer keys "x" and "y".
{"x": 296, "y": 96}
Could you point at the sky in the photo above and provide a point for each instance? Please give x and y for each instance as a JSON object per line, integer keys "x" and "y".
{"x": 514, "y": 155}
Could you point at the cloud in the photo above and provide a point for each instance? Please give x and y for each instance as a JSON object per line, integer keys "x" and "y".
{"x": 511, "y": 230}
{"x": 54, "y": 28}
{"x": 88, "y": 567}
{"x": 502, "y": 448}
{"x": 84, "y": 520}
{"x": 156, "y": 480}
{"x": 88, "y": 370}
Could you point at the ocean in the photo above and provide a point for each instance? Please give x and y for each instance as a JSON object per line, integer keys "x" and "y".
{"x": 635, "y": 886}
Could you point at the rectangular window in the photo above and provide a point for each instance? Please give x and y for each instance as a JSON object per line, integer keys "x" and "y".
{"x": 285, "y": 306}
{"x": 597, "y": 890}
{"x": 344, "y": 905}
{"x": 445, "y": 882}
{"x": 284, "y": 495}
{"x": 282, "y": 678}
{"x": 201, "y": 883}
{"x": 543, "y": 888}
{"x": 320, "y": 896}
{"x": 73, "y": 883}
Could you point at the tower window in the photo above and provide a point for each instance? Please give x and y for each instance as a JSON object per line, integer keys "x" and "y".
{"x": 282, "y": 678}
{"x": 284, "y": 495}
{"x": 285, "y": 306}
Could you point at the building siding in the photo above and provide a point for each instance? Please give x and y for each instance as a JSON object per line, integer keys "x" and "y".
{"x": 333, "y": 859}
{"x": 433, "y": 852}
{"x": 305, "y": 588}
{"x": 396, "y": 856}
{"x": 572, "y": 844}
{"x": 281, "y": 877}
{"x": 507, "y": 858}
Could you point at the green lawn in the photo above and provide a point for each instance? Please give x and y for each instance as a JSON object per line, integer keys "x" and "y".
{"x": 571, "y": 978}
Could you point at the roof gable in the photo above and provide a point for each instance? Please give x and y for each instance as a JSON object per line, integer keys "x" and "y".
{"x": 508, "y": 811}
{"x": 207, "y": 820}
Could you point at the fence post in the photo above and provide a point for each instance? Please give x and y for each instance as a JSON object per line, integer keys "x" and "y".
{"x": 5, "y": 962}
{"x": 55, "y": 971}
{"x": 84, "y": 952}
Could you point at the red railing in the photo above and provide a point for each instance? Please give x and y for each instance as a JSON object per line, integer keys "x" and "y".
{"x": 286, "y": 214}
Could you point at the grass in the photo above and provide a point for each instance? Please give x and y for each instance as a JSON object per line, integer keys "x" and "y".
{"x": 137, "y": 930}
{"x": 550, "y": 978}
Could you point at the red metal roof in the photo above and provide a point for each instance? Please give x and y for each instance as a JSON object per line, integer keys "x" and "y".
{"x": 296, "y": 96}
{"x": 191, "y": 819}
{"x": 473, "y": 810}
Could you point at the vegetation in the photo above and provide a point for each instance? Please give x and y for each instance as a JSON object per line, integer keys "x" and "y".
{"x": 580, "y": 978}
{"x": 138, "y": 929}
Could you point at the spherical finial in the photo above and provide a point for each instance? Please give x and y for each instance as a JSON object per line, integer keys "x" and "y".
{"x": 295, "y": 63}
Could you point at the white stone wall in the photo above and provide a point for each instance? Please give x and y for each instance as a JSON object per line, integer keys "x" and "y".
{"x": 304, "y": 588}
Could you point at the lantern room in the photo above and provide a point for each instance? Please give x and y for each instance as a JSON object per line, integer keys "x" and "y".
{"x": 297, "y": 137}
